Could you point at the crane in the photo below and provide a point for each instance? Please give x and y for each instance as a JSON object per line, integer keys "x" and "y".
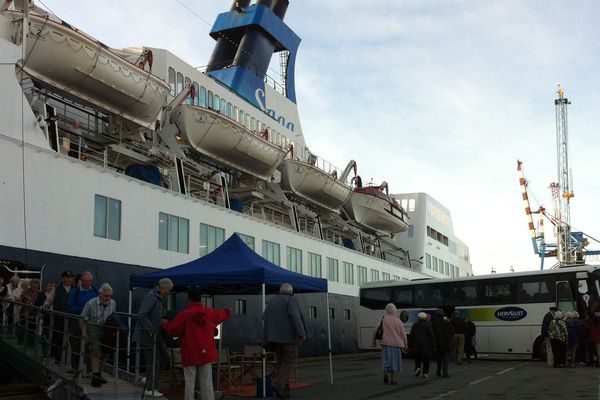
{"x": 562, "y": 192}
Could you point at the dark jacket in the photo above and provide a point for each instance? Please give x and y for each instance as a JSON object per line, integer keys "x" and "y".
{"x": 195, "y": 327}
{"x": 423, "y": 338}
{"x": 60, "y": 298}
{"x": 470, "y": 331}
{"x": 546, "y": 323}
{"x": 443, "y": 334}
{"x": 151, "y": 313}
{"x": 573, "y": 331}
{"x": 458, "y": 325}
{"x": 283, "y": 320}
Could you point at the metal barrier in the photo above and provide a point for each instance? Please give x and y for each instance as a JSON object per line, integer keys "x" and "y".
{"x": 54, "y": 341}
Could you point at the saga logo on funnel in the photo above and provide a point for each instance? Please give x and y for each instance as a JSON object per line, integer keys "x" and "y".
{"x": 510, "y": 313}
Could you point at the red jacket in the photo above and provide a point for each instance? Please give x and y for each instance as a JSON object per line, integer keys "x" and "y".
{"x": 195, "y": 327}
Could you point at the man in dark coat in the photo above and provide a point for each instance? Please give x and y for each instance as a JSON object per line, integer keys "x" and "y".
{"x": 545, "y": 324}
{"x": 470, "y": 339}
{"x": 443, "y": 338}
{"x": 60, "y": 297}
{"x": 283, "y": 330}
{"x": 458, "y": 326}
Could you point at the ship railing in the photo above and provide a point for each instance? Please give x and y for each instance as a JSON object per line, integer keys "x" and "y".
{"x": 324, "y": 165}
{"x": 55, "y": 341}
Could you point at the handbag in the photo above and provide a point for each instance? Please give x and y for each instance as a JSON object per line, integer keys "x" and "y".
{"x": 379, "y": 332}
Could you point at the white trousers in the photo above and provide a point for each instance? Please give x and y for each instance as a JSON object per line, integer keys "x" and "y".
{"x": 202, "y": 373}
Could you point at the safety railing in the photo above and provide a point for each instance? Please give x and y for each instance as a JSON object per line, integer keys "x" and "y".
{"x": 56, "y": 341}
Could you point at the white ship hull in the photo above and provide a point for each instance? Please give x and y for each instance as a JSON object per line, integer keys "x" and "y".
{"x": 375, "y": 213}
{"x": 314, "y": 185}
{"x": 58, "y": 55}
{"x": 225, "y": 140}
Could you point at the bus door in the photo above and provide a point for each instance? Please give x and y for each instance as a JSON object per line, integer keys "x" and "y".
{"x": 564, "y": 297}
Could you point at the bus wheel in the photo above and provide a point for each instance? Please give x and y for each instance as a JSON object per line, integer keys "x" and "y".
{"x": 539, "y": 349}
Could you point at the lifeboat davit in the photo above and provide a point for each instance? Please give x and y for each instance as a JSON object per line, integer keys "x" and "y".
{"x": 227, "y": 141}
{"x": 375, "y": 210}
{"x": 315, "y": 185}
{"x": 61, "y": 56}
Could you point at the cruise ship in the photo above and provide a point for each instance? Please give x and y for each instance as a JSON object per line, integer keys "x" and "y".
{"x": 126, "y": 160}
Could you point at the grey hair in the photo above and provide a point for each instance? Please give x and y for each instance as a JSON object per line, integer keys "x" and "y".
{"x": 165, "y": 283}
{"x": 86, "y": 273}
{"x": 286, "y": 288}
{"x": 568, "y": 314}
{"x": 559, "y": 315}
{"x": 390, "y": 308}
{"x": 575, "y": 314}
{"x": 422, "y": 315}
{"x": 106, "y": 288}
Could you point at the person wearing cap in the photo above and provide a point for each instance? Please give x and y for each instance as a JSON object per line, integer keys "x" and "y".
{"x": 549, "y": 317}
{"x": 59, "y": 297}
{"x": 195, "y": 328}
{"x": 148, "y": 333}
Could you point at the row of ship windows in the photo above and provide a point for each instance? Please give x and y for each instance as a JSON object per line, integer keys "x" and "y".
{"x": 240, "y": 308}
{"x": 432, "y": 233}
{"x": 207, "y": 99}
{"x": 443, "y": 267}
{"x": 173, "y": 235}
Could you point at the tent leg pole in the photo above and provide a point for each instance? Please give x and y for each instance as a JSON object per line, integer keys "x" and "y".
{"x": 129, "y": 329}
{"x": 329, "y": 340}
{"x": 264, "y": 366}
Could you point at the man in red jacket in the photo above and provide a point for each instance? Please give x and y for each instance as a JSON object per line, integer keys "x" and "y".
{"x": 195, "y": 327}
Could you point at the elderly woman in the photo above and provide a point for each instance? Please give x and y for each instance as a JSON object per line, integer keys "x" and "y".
{"x": 392, "y": 342}
{"x": 557, "y": 331}
{"x": 423, "y": 341}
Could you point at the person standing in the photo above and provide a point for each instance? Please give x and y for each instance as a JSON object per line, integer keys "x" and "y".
{"x": 283, "y": 330}
{"x": 423, "y": 344}
{"x": 78, "y": 297}
{"x": 557, "y": 332}
{"x": 594, "y": 338}
{"x": 443, "y": 342}
{"x": 195, "y": 327}
{"x": 545, "y": 324}
{"x": 470, "y": 339}
{"x": 393, "y": 342}
{"x": 458, "y": 326}
{"x": 148, "y": 334}
{"x": 94, "y": 313}
{"x": 59, "y": 303}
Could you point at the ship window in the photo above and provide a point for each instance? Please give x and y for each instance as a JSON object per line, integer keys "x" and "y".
{"x": 456, "y": 272}
{"x": 236, "y": 113}
{"x": 447, "y": 268}
{"x": 411, "y": 205}
{"x": 223, "y": 106}
{"x": 435, "y": 264}
{"x": 179, "y": 87}
{"x": 230, "y": 110}
{"x": 270, "y": 251}
{"x": 173, "y": 233}
{"x": 209, "y": 99}
{"x": 107, "y": 217}
{"x": 374, "y": 275}
{"x": 385, "y": 276}
{"x": 211, "y": 237}
{"x": 197, "y": 91}
{"x": 217, "y": 102}
{"x": 312, "y": 312}
{"x": 314, "y": 262}
{"x": 361, "y": 274}
{"x": 172, "y": 80}
{"x": 347, "y": 314}
{"x": 240, "y": 307}
{"x": 252, "y": 124}
{"x": 331, "y": 313}
{"x": 202, "y": 96}
{"x": 241, "y": 117}
{"x": 249, "y": 240}
{"x": 333, "y": 271}
{"x": 188, "y": 99}
{"x": 247, "y": 121}
{"x": 294, "y": 259}
{"x": 348, "y": 273}
{"x": 427, "y": 261}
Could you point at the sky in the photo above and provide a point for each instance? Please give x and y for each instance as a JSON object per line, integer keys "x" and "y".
{"x": 434, "y": 96}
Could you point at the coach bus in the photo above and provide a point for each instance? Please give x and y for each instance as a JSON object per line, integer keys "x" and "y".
{"x": 507, "y": 309}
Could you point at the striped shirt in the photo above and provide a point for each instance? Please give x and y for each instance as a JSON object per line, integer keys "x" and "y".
{"x": 95, "y": 312}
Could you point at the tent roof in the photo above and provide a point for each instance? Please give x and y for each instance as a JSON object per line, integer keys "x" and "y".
{"x": 231, "y": 268}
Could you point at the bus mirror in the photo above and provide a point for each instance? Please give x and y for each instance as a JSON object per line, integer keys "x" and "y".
{"x": 404, "y": 316}
{"x": 582, "y": 286}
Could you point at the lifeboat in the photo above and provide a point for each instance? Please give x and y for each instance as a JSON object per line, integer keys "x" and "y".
{"x": 375, "y": 210}
{"x": 313, "y": 184}
{"x": 61, "y": 56}
{"x": 225, "y": 140}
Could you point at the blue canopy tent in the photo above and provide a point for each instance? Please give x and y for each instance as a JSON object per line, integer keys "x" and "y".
{"x": 231, "y": 268}
{"x": 234, "y": 268}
